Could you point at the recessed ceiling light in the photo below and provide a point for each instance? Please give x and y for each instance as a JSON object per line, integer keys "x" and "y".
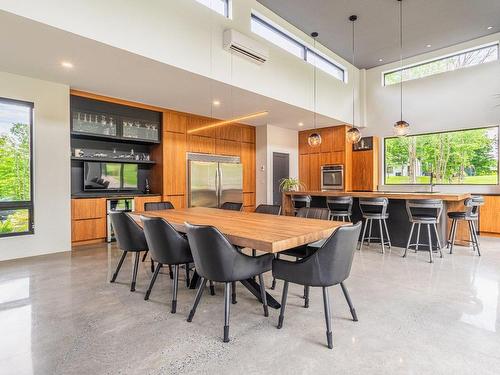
{"x": 301, "y": 124}
{"x": 380, "y": 60}
{"x": 216, "y": 103}
{"x": 66, "y": 64}
{"x": 490, "y": 27}
{"x": 429, "y": 45}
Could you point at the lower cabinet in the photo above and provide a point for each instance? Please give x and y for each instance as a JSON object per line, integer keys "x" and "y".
{"x": 489, "y": 215}
{"x": 88, "y": 231}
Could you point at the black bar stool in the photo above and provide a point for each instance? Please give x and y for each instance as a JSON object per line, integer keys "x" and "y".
{"x": 375, "y": 209}
{"x": 340, "y": 208}
{"x": 426, "y": 212}
{"x": 299, "y": 201}
{"x": 470, "y": 215}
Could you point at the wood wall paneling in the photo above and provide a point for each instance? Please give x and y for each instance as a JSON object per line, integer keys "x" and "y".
{"x": 326, "y": 158}
{"x": 326, "y": 139}
{"x": 249, "y": 199}
{"x": 314, "y": 172}
{"x": 229, "y": 148}
{"x": 248, "y": 134}
{"x": 339, "y": 142}
{"x": 179, "y": 201}
{"x": 204, "y": 145}
{"x": 248, "y": 161}
{"x": 175, "y": 122}
{"x": 232, "y": 132}
{"x": 196, "y": 125}
{"x": 489, "y": 215}
{"x": 174, "y": 168}
{"x": 304, "y": 171}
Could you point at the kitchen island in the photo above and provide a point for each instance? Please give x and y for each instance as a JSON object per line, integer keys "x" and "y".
{"x": 398, "y": 223}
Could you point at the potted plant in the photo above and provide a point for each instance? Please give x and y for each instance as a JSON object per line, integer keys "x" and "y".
{"x": 290, "y": 184}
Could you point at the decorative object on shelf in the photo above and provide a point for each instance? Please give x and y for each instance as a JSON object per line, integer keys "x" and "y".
{"x": 353, "y": 134}
{"x": 94, "y": 123}
{"x": 314, "y": 138}
{"x": 147, "y": 188}
{"x": 79, "y": 153}
{"x": 365, "y": 144}
{"x": 290, "y": 184}
{"x": 401, "y": 127}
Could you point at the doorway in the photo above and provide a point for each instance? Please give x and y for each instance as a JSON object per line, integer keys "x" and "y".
{"x": 281, "y": 170}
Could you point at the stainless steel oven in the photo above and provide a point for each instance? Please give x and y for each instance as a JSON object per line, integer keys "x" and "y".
{"x": 332, "y": 177}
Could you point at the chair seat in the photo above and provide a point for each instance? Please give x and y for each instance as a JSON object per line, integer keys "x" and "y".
{"x": 461, "y": 215}
{"x": 339, "y": 213}
{"x": 369, "y": 215}
{"x": 427, "y": 219}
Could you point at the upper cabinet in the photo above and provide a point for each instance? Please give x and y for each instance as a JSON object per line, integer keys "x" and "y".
{"x": 332, "y": 140}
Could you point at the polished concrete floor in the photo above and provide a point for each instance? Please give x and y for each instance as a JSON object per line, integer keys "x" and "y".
{"x": 60, "y": 315}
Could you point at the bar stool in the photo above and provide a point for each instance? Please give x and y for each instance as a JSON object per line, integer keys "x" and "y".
{"x": 470, "y": 215}
{"x": 427, "y": 212}
{"x": 375, "y": 209}
{"x": 299, "y": 201}
{"x": 340, "y": 208}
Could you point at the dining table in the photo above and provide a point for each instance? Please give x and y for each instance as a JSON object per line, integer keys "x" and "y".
{"x": 262, "y": 232}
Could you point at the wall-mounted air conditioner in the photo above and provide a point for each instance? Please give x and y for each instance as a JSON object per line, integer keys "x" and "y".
{"x": 243, "y": 45}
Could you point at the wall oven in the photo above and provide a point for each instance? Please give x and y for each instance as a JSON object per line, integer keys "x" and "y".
{"x": 332, "y": 177}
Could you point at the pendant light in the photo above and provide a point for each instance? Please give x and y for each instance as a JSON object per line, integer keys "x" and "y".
{"x": 353, "y": 134}
{"x": 314, "y": 138}
{"x": 401, "y": 127}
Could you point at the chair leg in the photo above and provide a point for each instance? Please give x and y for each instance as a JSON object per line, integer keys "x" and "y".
{"x": 233, "y": 293}
{"x": 263, "y": 295}
{"x": 227, "y": 304}
{"x": 474, "y": 231}
{"x": 254, "y": 252}
{"x": 152, "y": 265}
{"x": 212, "y": 288}
{"x": 273, "y": 285}
{"x": 171, "y": 274}
{"x": 283, "y": 304}
{"x": 328, "y": 317}
{"x": 431, "y": 260}
{"x": 439, "y": 245}
{"x": 387, "y": 232}
{"x": 199, "y": 292}
{"x": 188, "y": 280}
{"x": 363, "y": 236}
{"x": 306, "y": 296}
{"x": 409, "y": 239}
{"x": 175, "y": 288}
{"x": 134, "y": 272}
{"x": 349, "y": 302}
{"x": 381, "y": 235}
{"x": 370, "y": 232}
{"x": 418, "y": 237}
{"x": 115, "y": 275}
{"x": 144, "y": 256}
{"x": 453, "y": 235}
{"x": 153, "y": 280}
{"x": 448, "y": 242}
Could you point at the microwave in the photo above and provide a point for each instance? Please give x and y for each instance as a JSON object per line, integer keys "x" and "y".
{"x": 332, "y": 177}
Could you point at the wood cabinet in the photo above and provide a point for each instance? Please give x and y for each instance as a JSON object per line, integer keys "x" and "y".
{"x": 139, "y": 201}
{"x": 231, "y": 132}
{"x": 365, "y": 167}
{"x": 178, "y": 201}
{"x": 314, "y": 172}
{"x": 489, "y": 215}
{"x": 203, "y": 145}
{"x": 228, "y": 148}
{"x": 304, "y": 171}
{"x": 88, "y": 224}
{"x": 248, "y": 161}
{"x": 249, "y": 200}
{"x": 174, "y": 163}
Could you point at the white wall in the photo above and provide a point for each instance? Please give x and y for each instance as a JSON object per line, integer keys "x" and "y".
{"x": 51, "y": 157}
{"x": 177, "y": 32}
{"x": 464, "y": 98}
{"x": 270, "y": 139}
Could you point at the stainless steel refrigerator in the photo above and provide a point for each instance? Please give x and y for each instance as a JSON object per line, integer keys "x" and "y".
{"x": 211, "y": 183}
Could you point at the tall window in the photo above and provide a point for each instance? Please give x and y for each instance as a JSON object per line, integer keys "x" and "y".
{"x": 16, "y": 175}
{"x": 219, "y": 6}
{"x": 464, "y": 157}
{"x": 272, "y": 33}
{"x": 445, "y": 64}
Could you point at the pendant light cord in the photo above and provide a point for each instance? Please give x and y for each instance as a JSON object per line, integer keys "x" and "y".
{"x": 353, "y": 80}
{"x": 211, "y": 65}
{"x": 314, "y": 94}
{"x": 401, "y": 55}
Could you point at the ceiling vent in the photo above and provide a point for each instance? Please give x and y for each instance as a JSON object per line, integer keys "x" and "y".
{"x": 243, "y": 45}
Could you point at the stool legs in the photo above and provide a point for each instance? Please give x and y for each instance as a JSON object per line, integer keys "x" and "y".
{"x": 439, "y": 246}
{"x": 409, "y": 239}
{"x": 430, "y": 243}
{"x": 387, "y": 232}
{"x": 453, "y": 234}
{"x": 429, "y": 236}
{"x": 364, "y": 233}
{"x": 381, "y": 236}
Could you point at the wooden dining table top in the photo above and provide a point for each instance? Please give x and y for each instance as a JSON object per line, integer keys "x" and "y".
{"x": 264, "y": 232}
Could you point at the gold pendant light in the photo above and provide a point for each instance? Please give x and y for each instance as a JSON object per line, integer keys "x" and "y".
{"x": 401, "y": 127}
{"x": 353, "y": 134}
{"x": 314, "y": 138}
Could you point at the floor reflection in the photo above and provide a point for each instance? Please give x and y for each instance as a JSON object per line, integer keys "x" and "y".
{"x": 484, "y": 305}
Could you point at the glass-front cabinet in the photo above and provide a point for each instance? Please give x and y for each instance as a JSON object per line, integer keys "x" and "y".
{"x": 113, "y": 126}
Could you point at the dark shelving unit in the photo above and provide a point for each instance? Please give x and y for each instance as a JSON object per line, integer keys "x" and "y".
{"x": 113, "y": 138}
{"x": 113, "y": 160}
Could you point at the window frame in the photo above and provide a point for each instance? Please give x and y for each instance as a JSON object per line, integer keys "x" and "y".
{"x": 254, "y": 15}
{"x": 23, "y": 205}
{"x": 441, "y": 132}
{"x": 440, "y": 58}
{"x": 228, "y": 8}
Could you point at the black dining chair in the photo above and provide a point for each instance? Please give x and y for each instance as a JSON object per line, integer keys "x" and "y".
{"x": 167, "y": 246}
{"x": 216, "y": 259}
{"x": 130, "y": 238}
{"x": 329, "y": 265}
{"x": 232, "y": 206}
{"x": 271, "y": 209}
{"x": 158, "y": 206}
{"x": 304, "y": 250}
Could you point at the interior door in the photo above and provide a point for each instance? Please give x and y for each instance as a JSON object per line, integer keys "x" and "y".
{"x": 231, "y": 182}
{"x": 281, "y": 170}
{"x": 203, "y": 184}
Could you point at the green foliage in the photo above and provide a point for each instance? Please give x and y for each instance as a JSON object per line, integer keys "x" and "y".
{"x": 15, "y": 164}
{"x": 290, "y": 184}
{"x": 461, "y": 157}
{"x": 15, "y": 222}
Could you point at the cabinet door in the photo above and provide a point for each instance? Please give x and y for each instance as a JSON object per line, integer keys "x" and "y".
{"x": 248, "y": 133}
{"x": 230, "y": 132}
{"x": 489, "y": 215}
{"x": 229, "y": 148}
{"x": 139, "y": 201}
{"x": 88, "y": 208}
{"x": 88, "y": 230}
{"x": 326, "y": 139}
{"x": 362, "y": 166}
{"x": 326, "y": 158}
{"x": 303, "y": 145}
{"x": 338, "y": 143}
{"x": 304, "y": 171}
{"x": 174, "y": 163}
{"x": 178, "y": 201}
{"x": 199, "y": 144}
{"x": 248, "y": 161}
{"x": 314, "y": 171}
{"x": 174, "y": 122}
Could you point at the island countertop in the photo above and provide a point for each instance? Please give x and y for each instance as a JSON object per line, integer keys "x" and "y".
{"x": 450, "y": 197}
